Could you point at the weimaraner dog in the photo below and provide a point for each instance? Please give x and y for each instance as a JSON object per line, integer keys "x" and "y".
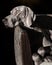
{"x": 25, "y": 15}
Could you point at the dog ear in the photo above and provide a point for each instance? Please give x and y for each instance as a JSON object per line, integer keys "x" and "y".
{"x": 33, "y": 16}
{"x": 30, "y": 17}
{"x": 30, "y": 12}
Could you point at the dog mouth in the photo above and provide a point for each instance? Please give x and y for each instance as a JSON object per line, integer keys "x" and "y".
{"x": 5, "y": 21}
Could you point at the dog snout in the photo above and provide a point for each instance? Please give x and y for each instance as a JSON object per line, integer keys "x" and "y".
{"x": 5, "y": 19}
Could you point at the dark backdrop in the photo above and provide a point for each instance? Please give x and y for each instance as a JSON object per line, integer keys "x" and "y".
{"x": 6, "y": 34}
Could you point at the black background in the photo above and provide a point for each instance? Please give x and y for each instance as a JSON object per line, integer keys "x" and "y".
{"x": 6, "y": 34}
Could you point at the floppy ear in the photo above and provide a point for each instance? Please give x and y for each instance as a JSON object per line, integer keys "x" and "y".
{"x": 30, "y": 12}
{"x": 33, "y": 16}
{"x": 29, "y": 17}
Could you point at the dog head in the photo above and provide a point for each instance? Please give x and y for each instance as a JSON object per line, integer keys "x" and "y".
{"x": 19, "y": 14}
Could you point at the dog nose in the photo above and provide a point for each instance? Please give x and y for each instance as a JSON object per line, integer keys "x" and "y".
{"x": 4, "y": 20}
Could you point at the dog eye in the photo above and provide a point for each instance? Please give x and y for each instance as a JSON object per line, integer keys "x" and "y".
{"x": 13, "y": 20}
{"x": 18, "y": 18}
